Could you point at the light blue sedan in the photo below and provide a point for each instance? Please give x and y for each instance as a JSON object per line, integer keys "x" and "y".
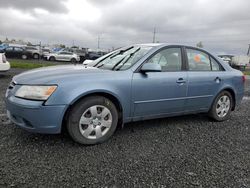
{"x": 134, "y": 83}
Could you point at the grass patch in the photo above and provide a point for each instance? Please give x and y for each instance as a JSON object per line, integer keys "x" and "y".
{"x": 246, "y": 72}
{"x": 29, "y": 64}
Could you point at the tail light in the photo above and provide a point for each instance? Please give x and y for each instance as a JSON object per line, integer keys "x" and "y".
{"x": 244, "y": 78}
{"x": 4, "y": 58}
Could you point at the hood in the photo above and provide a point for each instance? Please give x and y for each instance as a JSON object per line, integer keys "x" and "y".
{"x": 57, "y": 74}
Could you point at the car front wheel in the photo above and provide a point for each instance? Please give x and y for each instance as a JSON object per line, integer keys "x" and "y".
{"x": 24, "y": 56}
{"x": 92, "y": 120}
{"x": 73, "y": 60}
{"x": 221, "y": 107}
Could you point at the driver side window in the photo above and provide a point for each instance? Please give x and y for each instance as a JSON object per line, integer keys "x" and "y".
{"x": 169, "y": 59}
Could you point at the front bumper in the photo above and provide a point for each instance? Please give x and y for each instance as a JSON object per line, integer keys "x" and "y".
{"x": 33, "y": 116}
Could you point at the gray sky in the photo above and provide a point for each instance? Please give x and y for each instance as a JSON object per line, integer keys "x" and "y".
{"x": 222, "y": 25}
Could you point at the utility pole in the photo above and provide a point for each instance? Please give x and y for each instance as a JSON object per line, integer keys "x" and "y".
{"x": 40, "y": 51}
{"x": 154, "y": 35}
{"x": 98, "y": 42}
{"x": 248, "y": 51}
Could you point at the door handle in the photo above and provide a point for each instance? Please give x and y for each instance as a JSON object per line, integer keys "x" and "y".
{"x": 180, "y": 81}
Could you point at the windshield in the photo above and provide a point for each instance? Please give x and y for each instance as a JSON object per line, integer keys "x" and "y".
{"x": 121, "y": 59}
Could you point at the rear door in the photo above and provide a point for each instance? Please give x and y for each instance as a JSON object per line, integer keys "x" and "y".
{"x": 18, "y": 52}
{"x": 68, "y": 56}
{"x": 61, "y": 56}
{"x": 9, "y": 52}
{"x": 205, "y": 77}
{"x": 159, "y": 93}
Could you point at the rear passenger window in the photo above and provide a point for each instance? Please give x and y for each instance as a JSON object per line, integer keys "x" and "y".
{"x": 215, "y": 65}
{"x": 200, "y": 61}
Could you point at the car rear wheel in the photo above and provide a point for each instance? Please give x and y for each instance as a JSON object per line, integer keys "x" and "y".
{"x": 36, "y": 56}
{"x": 52, "y": 58}
{"x": 92, "y": 120}
{"x": 221, "y": 107}
{"x": 24, "y": 56}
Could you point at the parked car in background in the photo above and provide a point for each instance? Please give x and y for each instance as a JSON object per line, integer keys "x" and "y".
{"x": 4, "y": 64}
{"x": 130, "y": 84}
{"x": 62, "y": 56}
{"x": 94, "y": 55}
{"x": 16, "y": 52}
{"x": 241, "y": 60}
{"x": 226, "y": 58}
{"x": 45, "y": 51}
{"x": 81, "y": 53}
{"x": 3, "y": 46}
{"x": 35, "y": 52}
{"x": 87, "y": 61}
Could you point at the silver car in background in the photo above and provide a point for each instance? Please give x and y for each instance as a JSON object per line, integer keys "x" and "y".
{"x": 62, "y": 56}
{"x": 36, "y": 53}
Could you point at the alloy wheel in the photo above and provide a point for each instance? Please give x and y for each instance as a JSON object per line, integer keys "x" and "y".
{"x": 223, "y": 106}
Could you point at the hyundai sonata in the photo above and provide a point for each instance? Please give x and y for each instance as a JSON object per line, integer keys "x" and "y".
{"x": 134, "y": 83}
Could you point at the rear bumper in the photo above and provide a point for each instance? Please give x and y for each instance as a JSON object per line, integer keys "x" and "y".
{"x": 33, "y": 116}
{"x": 4, "y": 67}
{"x": 238, "y": 98}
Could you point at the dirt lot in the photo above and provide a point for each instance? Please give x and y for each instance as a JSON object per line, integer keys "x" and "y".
{"x": 189, "y": 151}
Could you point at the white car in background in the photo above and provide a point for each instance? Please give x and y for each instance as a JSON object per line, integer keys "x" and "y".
{"x": 4, "y": 64}
{"x": 62, "y": 56}
{"x": 87, "y": 61}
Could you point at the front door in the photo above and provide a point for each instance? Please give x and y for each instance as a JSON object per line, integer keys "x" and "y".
{"x": 159, "y": 93}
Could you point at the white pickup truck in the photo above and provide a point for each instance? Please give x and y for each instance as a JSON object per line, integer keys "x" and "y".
{"x": 241, "y": 60}
{"x": 4, "y": 64}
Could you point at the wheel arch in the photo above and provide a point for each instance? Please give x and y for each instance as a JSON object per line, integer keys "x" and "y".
{"x": 52, "y": 57}
{"x": 105, "y": 94}
{"x": 35, "y": 53}
{"x": 231, "y": 91}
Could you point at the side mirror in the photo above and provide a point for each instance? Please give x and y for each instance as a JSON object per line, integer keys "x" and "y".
{"x": 151, "y": 67}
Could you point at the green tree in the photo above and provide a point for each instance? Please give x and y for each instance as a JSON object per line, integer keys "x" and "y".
{"x": 199, "y": 45}
{"x": 62, "y": 46}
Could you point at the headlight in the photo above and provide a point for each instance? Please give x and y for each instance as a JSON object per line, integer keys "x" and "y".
{"x": 35, "y": 92}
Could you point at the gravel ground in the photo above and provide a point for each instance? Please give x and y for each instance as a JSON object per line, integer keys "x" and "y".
{"x": 188, "y": 151}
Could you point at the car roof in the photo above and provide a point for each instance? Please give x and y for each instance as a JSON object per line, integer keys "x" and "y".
{"x": 166, "y": 44}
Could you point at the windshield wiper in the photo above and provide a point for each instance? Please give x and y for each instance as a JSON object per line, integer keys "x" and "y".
{"x": 121, "y": 51}
{"x": 112, "y": 55}
{"x": 118, "y": 62}
{"x": 102, "y": 60}
{"x": 128, "y": 57}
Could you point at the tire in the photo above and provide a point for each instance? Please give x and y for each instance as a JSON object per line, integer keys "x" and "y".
{"x": 24, "y": 56}
{"x": 73, "y": 60}
{"x": 221, "y": 107}
{"x": 92, "y": 120}
{"x": 36, "y": 56}
{"x": 52, "y": 58}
